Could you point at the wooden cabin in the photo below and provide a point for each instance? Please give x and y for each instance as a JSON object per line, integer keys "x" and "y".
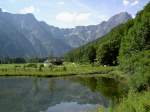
{"x": 53, "y": 61}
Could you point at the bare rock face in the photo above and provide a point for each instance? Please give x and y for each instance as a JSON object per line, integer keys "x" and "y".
{"x": 22, "y": 35}
{"x": 83, "y": 34}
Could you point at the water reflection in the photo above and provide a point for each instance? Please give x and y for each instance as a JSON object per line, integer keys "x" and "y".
{"x": 38, "y": 95}
{"x": 110, "y": 88}
{"x": 72, "y": 107}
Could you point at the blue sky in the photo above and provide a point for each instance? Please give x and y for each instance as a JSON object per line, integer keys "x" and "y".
{"x": 71, "y": 13}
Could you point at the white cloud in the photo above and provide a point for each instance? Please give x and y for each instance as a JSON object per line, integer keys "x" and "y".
{"x": 130, "y": 2}
{"x": 30, "y": 9}
{"x": 73, "y": 18}
{"x": 61, "y": 3}
{"x": 126, "y": 2}
{"x": 81, "y": 17}
{"x": 135, "y": 3}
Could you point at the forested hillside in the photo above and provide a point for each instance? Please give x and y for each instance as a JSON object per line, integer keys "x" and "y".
{"x": 127, "y": 45}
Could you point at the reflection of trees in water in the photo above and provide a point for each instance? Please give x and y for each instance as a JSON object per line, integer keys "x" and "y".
{"x": 35, "y": 94}
{"x": 35, "y": 86}
{"x": 91, "y": 83}
{"x": 66, "y": 90}
{"x": 111, "y": 88}
{"x": 51, "y": 86}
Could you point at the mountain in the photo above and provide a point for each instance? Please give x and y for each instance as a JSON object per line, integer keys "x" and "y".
{"x": 127, "y": 45}
{"x": 22, "y": 35}
{"x": 84, "y": 34}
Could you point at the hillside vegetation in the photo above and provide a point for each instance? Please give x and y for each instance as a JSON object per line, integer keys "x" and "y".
{"x": 127, "y": 46}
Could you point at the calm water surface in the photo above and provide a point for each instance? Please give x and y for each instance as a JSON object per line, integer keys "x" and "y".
{"x": 55, "y": 94}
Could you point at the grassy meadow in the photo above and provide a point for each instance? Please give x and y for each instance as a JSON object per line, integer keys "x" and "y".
{"x": 38, "y": 69}
{"x": 134, "y": 102}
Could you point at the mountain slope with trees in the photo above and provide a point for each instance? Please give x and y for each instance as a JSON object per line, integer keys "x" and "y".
{"x": 127, "y": 45}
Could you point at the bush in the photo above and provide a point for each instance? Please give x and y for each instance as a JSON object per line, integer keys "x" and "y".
{"x": 41, "y": 65}
{"x": 64, "y": 68}
{"x": 138, "y": 66}
{"x": 32, "y": 65}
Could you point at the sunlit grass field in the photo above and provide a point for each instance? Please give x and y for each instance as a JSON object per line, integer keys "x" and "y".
{"x": 62, "y": 70}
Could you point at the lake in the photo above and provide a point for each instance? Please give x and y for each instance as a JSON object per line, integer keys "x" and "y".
{"x": 70, "y": 94}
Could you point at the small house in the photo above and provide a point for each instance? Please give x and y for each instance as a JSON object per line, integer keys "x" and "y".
{"x": 53, "y": 61}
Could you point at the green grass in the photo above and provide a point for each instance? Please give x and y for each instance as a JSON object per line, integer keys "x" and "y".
{"x": 64, "y": 70}
{"x": 135, "y": 102}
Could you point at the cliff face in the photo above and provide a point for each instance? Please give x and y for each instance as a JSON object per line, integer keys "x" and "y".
{"x": 22, "y": 35}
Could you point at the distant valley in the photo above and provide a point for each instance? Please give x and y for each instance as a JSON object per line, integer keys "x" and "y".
{"x": 22, "y": 35}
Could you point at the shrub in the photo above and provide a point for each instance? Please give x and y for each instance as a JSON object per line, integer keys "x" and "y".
{"x": 32, "y": 65}
{"x": 41, "y": 65}
{"x": 64, "y": 68}
{"x": 138, "y": 66}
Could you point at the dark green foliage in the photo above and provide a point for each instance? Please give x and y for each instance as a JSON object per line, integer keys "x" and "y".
{"x": 91, "y": 54}
{"x": 35, "y": 60}
{"x": 134, "y": 56}
{"x": 140, "y": 70}
{"x": 7, "y": 60}
{"x": 138, "y": 36}
{"x": 64, "y": 68}
{"x": 105, "y": 50}
{"x": 33, "y": 65}
{"x": 82, "y": 55}
{"x": 127, "y": 45}
{"x": 108, "y": 50}
{"x": 40, "y": 67}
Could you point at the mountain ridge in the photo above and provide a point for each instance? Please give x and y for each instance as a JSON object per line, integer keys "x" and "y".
{"x": 27, "y": 37}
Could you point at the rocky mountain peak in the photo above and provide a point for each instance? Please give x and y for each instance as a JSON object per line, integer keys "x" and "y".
{"x": 26, "y": 36}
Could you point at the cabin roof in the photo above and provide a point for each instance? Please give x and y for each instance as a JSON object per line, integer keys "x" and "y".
{"x": 52, "y": 60}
